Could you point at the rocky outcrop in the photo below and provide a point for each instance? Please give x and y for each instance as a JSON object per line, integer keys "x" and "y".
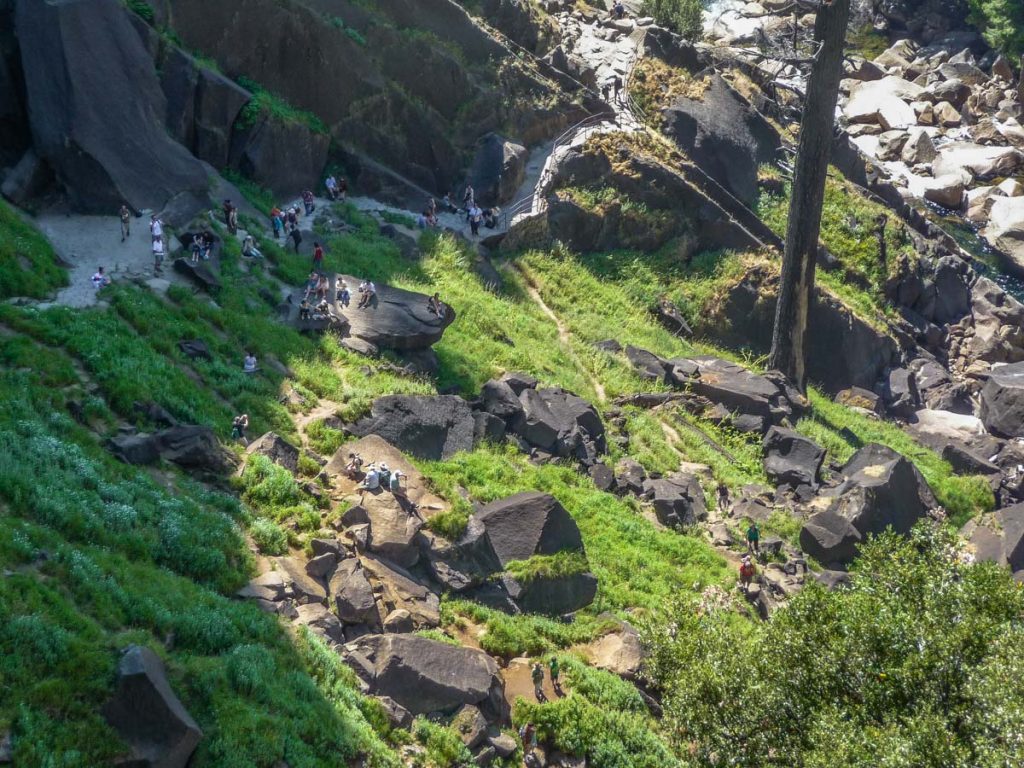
{"x": 723, "y": 135}
{"x": 147, "y": 714}
{"x": 881, "y": 489}
{"x": 284, "y": 156}
{"x": 792, "y": 459}
{"x": 998, "y": 537}
{"x": 678, "y": 499}
{"x": 190, "y": 447}
{"x": 498, "y": 169}
{"x": 529, "y": 524}
{"x": 395, "y": 319}
{"x": 1002, "y": 401}
{"x": 83, "y": 62}
{"x": 426, "y": 426}
{"x": 425, "y": 676}
{"x": 277, "y": 449}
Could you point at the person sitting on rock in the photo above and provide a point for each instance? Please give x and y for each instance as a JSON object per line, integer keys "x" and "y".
{"x": 126, "y": 223}
{"x": 332, "y": 187}
{"x": 754, "y": 538}
{"x": 304, "y": 309}
{"x": 344, "y": 297}
{"x": 312, "y": 283}
{"x": 205, "y": 244}
{"x": 368, "y": 291}
{"x": 395, "y": 484}
{"x": 435, "y": 305}
{"x": 448, "y": 205}
{"x": 323, "y": 310}
{"x": 323, "y": 287}
{"x": 249, "y": 249}
{"x": 100, "y": 279}
{"x": 372, "y": 480}
{"x": 490, "y": 218}
{"x": 239, "y": 426}
{"x": 307, "y": 202}
{"x": 158, "y": 255}
{"x": 196, "y": 248}
{"x": 747, "y": 572}
{"x": 249, "y": 365}
{"x": 354, "y": 466}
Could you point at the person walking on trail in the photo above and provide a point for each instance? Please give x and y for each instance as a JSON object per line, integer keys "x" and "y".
{"x": 296, "y": 237}
{"x": 537, "y": 674}
{"x": 555, "y": 671}
{"x": 126, "y": 223}
{"x": 469, "y": 199}
{"x": 158, "y": 255}
{"x": 617, "y": 87}
{"x": 619, "y": 10}
{"x": 528, "y": 738}
{"x": 277, "y": 221}
{"x": 606, "y": 91}
{"x": 318, "y": 258}
{"x": 332, "y": 187}
{"x": 475, "y": 217}
{"x": 747, "y": 572}
{"x": 754, "y": 538}
{"x": 156, "y": 227}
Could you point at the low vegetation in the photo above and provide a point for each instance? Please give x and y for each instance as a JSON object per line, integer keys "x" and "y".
{"x": 28, "y": 265}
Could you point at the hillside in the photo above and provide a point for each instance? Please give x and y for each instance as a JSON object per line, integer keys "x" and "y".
{"x": 583, "y": 429}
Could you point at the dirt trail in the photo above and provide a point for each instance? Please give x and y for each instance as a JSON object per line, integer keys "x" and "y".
{"x": 564, "y": 335}
{"x": 519, "y": 682}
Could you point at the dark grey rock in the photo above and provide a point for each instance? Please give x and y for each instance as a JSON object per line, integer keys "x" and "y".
{"x": 1002, "y": 401}
{"x": 678, "y": 499}
{"x": 353, "y": 595}
{"x": 426, "y": 426}
{"x": 277, "y": 449}
{"x": 792, "y": 459}
{"x": 528, "y": 524}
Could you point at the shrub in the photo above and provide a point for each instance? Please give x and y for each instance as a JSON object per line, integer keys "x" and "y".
{"x": 1001, "y": 22}
{"x": 269, "y": 537}
{"x": 28, "y": 265}
{"x": 683, "y": 16}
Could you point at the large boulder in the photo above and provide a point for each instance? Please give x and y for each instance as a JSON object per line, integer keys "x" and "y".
{"x": 352, "y": 594}
{"x": 277, "y": 449}
{"x": 792, "y": 459}
{"x": 1002, "y": 401}
{"x": 83, "y": 63}
{"x": 497, "y": 170}
{"x": 620, "y": 652}
{"x": 980, "y": 161}
{"x": 189, "y": 446}
{"x": 147, "y": 714}
{"x": 425, "y": 675}
{"x": 461, "y": 565}
{"x": 426, "y": 426}
{"x": 998, "y": 537}
{"x": 393, "y": 530}
{"x": 397, "y": 589}
{"x": 1005, "y": 231}
{"x": 396, "y": 319}
{"x": 560, "y": 423}
{"x": 881, "y": 490}
{"x": 529, "y": 524}
{"x": 284, "y": 156}
{"x": 678, "y": 499}
{"x": 723, "y": 135}
{"x": 998, "y": 323}
{"x": 553, "y": 595}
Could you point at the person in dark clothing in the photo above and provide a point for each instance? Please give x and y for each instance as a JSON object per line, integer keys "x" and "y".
{"x": 296, "y": 237}
{"x": 616, "y": 86}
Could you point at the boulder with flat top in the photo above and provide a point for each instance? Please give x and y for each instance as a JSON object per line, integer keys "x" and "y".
{"x": 528, "y": 524}
{"x": 395, "y": 318}
{"x": 429, "y": 427}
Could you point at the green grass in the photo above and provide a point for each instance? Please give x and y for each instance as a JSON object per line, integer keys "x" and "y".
{"x": 557, "y": 566}
{"x": 267, "y": 104}
{"x": 260, "y": 197}
{"x": 28, "y": 265}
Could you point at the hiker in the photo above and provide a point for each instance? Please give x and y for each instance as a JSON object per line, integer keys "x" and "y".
{"x": 158, "y": 255}
{"x": 291, "y": 219}
{"x": 249, "y": 365}
{"x": 307, "y": 202}
{"x": 384, "y": 474}
{"x": 537, "y": 675}
{"x": 318, "y": 257}
{"x": 555, "y": 670}
{"x": 616, "y": 86}
{"x": 528, "y": 737}
{"x": 156, "y": 227}
{"x": 372, "y": 480}
{"x": 231, "y": 217}
{"x": 368, "y": 291}
{"x": 277, "y": 222}
{"x": 343, "y": 188}
{"x": 606, "y": 91}
{"x": 619, "y": 10}
{"x": 468, "y": 198}
{"x": 747, "y": 571}
{"x": 332, "y": 187}
{"x": 431, "y": 209}
{"x": 296, "y": 237}
{"x": 354, "y": 467}
{"x": 304, "y": 308}
{"x": 126, "y": 223}
{"x": 754, "y": 538}
{"x": 435, "y": 305}
{"x": 249, "y": 249}
{"x": 100, "y": 279}
{"x": 344, "y": 297}
{"x": 238, "y": 427}
{"x": 448, "y": 205}
{"x": 475, "y": 216}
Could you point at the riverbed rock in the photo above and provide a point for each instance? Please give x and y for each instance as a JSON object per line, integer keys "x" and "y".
{"x": 424, "y": 675}
{"x": 1002, "y": 401}
{"x": 147, "y": 714}
{"x": 881, "y": 489}
{"x": 980, "y": 161}
{"x": 83, "y": 62}
{"x": 1005, "y": 230}
{"x": 429, "y": 427}
{"x": 919, "y": 148}
{"x": 792, "y": 459}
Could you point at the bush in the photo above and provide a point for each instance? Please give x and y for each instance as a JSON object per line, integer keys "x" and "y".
{"x": 683, "y": 16}
{"x": 1001, "y": 22}
{"x": 269, "y": 537}
{"x": 28, "y": 265}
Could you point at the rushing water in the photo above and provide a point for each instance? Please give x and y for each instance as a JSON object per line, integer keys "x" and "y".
{"x": 986, "y": 260}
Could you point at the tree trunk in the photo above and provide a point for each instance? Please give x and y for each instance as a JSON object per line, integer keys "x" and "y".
{"x": 796, "y": 286}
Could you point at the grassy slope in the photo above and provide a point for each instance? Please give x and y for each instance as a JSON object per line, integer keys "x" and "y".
{"x": 122, "y": 568}
{"x": 28, "y": 265}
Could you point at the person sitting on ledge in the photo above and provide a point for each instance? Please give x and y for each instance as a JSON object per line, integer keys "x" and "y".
{"x": 323, "y": 310}
{"x": 367, "y": 290}
{"x": 304, "y": 309}
{"x": 312, "y": 283}
{"x": 100, "y": 279}
{"x": 372, "y": 480}
{"x": 344, "y": 297}
{"x": 249, "y": 365}
{"x": 249, "y": 249}
{"x": 354, "y": 467}
{"x": 435, "y": 305}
